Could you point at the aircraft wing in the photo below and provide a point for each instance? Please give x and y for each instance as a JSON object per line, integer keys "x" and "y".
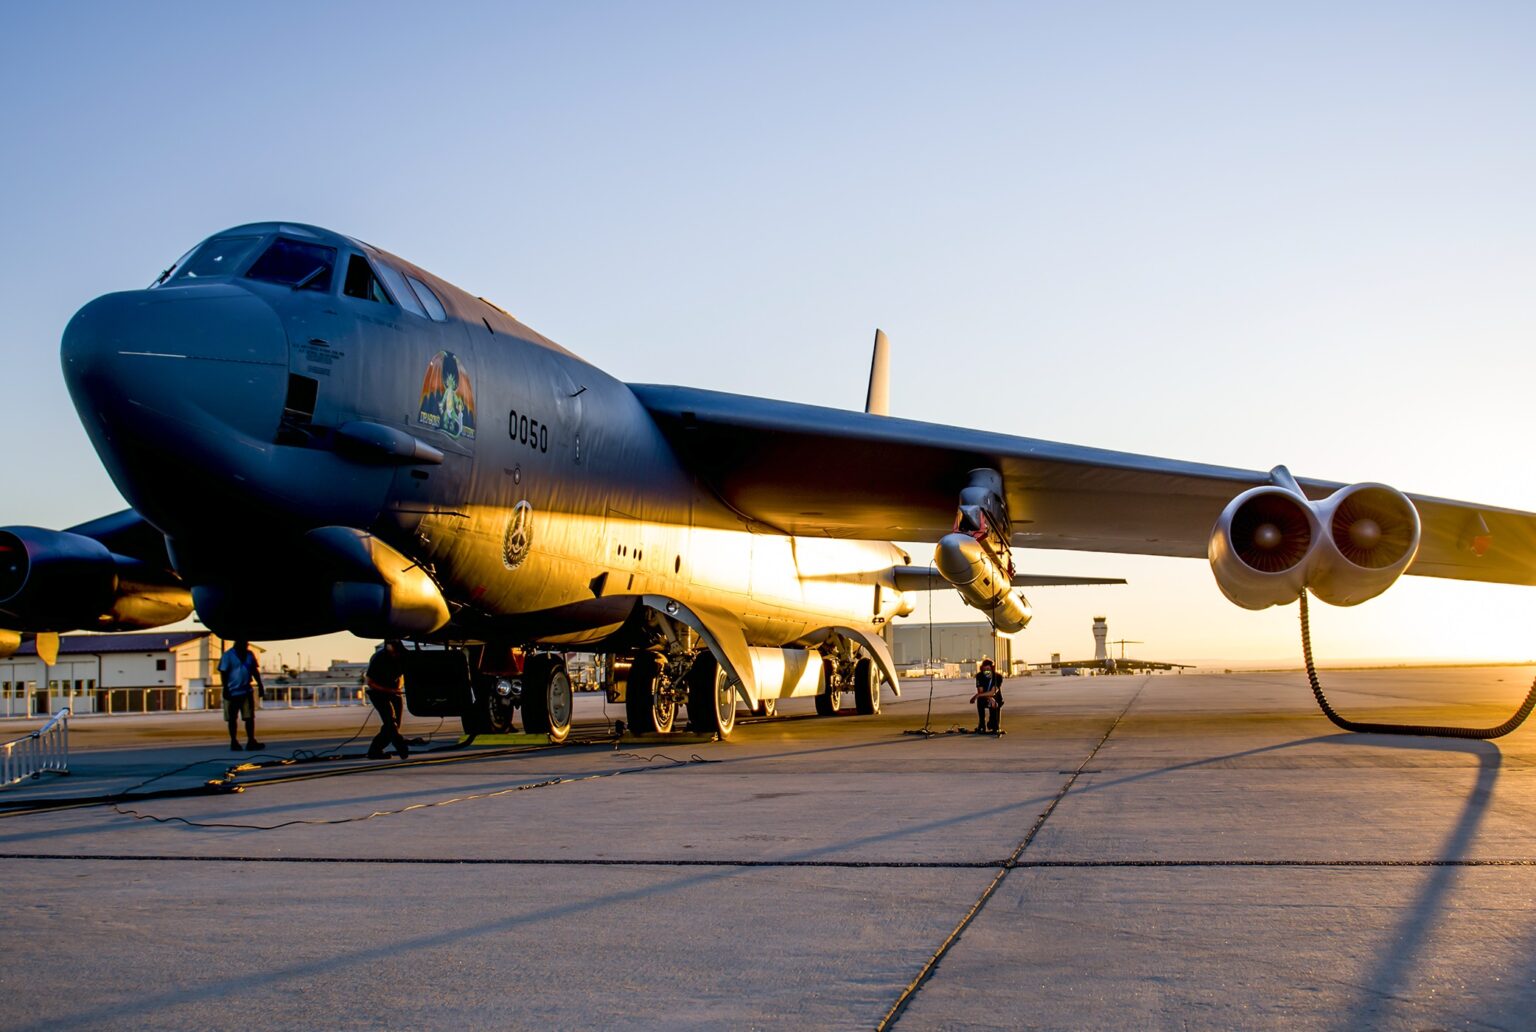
{"x": 127, "y": 533}
{"x": 808, "y": 470}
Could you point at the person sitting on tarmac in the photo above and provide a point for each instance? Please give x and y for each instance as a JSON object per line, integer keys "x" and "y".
{"x": 988, "y": 699}
{"x": 386, "y": 672}
{"x": 238, "y": 667}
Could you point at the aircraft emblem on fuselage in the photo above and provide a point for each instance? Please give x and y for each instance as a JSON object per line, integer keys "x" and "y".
{"x": 519, "y": 540}
{"x": 448, "y": 397}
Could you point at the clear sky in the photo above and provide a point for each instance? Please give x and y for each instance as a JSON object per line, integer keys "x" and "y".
{"x": 1247, "y": 234}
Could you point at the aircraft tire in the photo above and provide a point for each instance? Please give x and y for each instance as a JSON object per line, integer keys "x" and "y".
{"x": 766, "y": 708}
{"x": 829, "y": 701}
{"x": 711, "y": 698}
{"x": 547, "y": 698}
{"x": 489, "y": 713}
{"x": 866, "y": 687}
{"x": 647, "y": 714}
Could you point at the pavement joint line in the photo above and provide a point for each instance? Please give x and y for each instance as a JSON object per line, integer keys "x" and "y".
{"x": 1012, "y": 863}
{"x": 957, "y": 865}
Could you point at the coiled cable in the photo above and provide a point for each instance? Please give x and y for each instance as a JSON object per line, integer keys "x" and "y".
{"x": 1426, "y": 730}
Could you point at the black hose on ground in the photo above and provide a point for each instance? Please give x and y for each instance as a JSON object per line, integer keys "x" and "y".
{"x": 1426, "y": 730}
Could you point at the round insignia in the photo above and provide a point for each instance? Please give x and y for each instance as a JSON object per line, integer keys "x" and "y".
{"x": 519, "y": 540}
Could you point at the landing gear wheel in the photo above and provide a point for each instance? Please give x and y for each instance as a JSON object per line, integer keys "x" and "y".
{"x": 649, "y": 711}
{"x": 766, "y": 708}
{"x": 547, "y": 698}
{"x": 711, "y": 698}
{"x": 866, "y": 687}
{"x": 490, "y": 710}
{"x": 831, "y": 700}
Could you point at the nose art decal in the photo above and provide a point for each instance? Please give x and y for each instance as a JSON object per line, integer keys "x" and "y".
{"x": 447, "y": 397}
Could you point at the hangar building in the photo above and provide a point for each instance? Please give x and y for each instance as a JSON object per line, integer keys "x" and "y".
{"x": 110, "y": 673}
{"x": 965, "y": 644}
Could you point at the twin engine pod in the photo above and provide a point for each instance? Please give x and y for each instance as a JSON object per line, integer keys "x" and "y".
{"x": 1270, "y": 542}
{"x": 52, "y": 580}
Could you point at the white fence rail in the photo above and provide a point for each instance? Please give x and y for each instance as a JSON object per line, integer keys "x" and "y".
{"x": 304, "y": 696}
{"x": 44, "y": 751}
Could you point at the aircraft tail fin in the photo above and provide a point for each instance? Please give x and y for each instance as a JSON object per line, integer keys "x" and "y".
{"x": 878, "y": 401}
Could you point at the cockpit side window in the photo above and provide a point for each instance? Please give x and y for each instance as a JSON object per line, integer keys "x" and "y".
{"x": 403, "y": 294}
{"x": 295, "y": 264}
{"x": 433, "y": 305}
{"x": 220, "y": 256}
{"x": 361, "y": 282}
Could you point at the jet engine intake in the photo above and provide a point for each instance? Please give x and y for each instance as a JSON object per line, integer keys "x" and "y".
{"x": 57, "y": 581}
{"x": 1370, "y": 535}
{"x": 1270, "y": 542}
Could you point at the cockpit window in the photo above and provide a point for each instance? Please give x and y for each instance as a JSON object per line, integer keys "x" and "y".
{"x": 220, "y": 256}
{"x": 296, "y": 264}
{"x": 401, "y": 290}
{"x": 361, "y": 282}
{"x": 429, "y": 299}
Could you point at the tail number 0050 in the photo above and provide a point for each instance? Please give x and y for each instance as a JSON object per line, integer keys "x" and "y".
{"x": 528, "y": 431}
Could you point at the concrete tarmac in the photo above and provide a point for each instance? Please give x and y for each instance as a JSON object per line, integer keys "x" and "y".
{"x": 1195, "y": 851}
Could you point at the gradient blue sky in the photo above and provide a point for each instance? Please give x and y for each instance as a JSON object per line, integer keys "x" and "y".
{"x": 1237, "y": 233}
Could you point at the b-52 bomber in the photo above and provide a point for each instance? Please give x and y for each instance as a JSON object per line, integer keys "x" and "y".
{"x": 316, "y": 435}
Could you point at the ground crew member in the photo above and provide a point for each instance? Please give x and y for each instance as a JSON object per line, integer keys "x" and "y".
{"x": 386, "y": 672}
{"x": 988, "y": 699}
{"x": 238, "y": 667}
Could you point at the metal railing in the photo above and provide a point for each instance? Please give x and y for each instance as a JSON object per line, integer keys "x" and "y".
{"x": 304, "y": 696}
{"x": 44, "y": 751}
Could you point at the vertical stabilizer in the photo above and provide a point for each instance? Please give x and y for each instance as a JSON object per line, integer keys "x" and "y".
{"x": 878, "y": 401}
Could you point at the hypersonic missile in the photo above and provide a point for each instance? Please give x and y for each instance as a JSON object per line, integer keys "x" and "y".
{"x": 976, "y": 575}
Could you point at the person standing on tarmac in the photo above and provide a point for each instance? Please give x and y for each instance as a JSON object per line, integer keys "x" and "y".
{"x": 238, "y": 667}
{"x": 386, "y": 672}
{"x": 988, "y": 699}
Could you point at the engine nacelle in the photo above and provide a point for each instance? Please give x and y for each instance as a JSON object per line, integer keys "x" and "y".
{"x": 1270, "y": 542}
{"x": 57, "y": 581}
{"x": 1370, "y": 535}
{"x": 1261, "y": 545}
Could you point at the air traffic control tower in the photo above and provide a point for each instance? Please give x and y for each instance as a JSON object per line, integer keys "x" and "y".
{"x": 1100, "y": 638}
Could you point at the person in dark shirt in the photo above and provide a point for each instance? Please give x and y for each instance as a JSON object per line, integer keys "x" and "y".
{"x": 240, "y": 673}
{"x": 386, "y": 672}
{"x": 988, "y": 699}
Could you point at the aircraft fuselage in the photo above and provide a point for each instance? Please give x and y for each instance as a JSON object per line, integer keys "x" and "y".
{"x": 239, "y": 413}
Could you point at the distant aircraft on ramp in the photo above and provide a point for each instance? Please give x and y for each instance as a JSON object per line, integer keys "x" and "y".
{"x": 1103, "y": 663}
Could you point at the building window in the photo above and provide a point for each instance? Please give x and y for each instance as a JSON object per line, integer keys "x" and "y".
{"x": 159, "y": 664}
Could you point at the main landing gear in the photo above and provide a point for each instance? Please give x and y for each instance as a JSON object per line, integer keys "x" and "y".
{"x": 547, "y": 698}
{"x": 543, "y": 690}
{"x": 656, "y": 688}
{"x": 850, "y": 675}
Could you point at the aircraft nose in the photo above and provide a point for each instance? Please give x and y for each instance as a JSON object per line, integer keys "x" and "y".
{"x": 212, "y": 357}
